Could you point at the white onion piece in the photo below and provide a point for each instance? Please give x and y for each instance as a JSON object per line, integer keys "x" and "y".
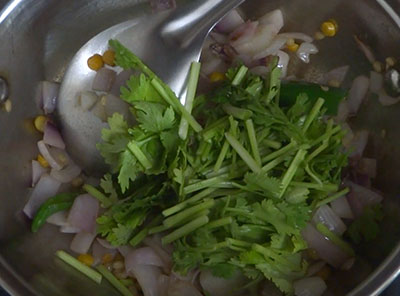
{"x": 312, "y": 286}
{"x": 218, "y": 286}
{"x": 67, "y": 174}
{"x": 56, "y": 157}
{"x": 58, "y": 219}
{"x": 69, "y": 229}
{"x": 314, "y": 268}
{"x": 366, "y": 50}
{"x": 105, "y": 244}
{"x": 87, "y": 99}
{"x": 81, "y": 242}
{"x": 218, "y": 37}
{"x": 98, "y": 252}
{"x": 229, "y": 22}
{"x": 162, "y": 5}
{"x": 84, "y": 212}
{"x": 359, "y": 197}
{"x": 297, "y": 36}
{"x": 142, "y": 256}
{"x": 104, "y": 80}
{"x": 376, "y": 82}
{"x": 335, "y": 75}
{"x": 325, "y": 249}
{"x": 125, "y": 250}
{"x": 243, "y": 34}
{"x": 182, "y": 288}
{"x": 46, "y": 187}
{"x": 357, "y": 93}
{"x": 211, "y": 65}
{"x": 99, "y": 109}
{"x": 342, "y": 208}
{"x": 52, "y": 136}
{"x": 120, "y": 80}
{"x": 267, "y": 29}
{"x": 359, "y": 143}
{"x": 147, "y": 277}
{"x": 387, "y": 100}
{"x": 305, "y": 50}
{"x": 162, "y": 251}
{"x": 367, "y": 166}
{"x": 277, "y": 43}
{"x": 163, "y": 283}
{"x": 343, "y": 111}
{"x": 37, "y": 172}
{"x": 326, "y": 216}
{"x": 50, "y": 92}
{"x": 283, "y": 62}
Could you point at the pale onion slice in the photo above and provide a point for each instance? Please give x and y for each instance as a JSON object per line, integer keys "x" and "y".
{"x": 142, "y": 256}
{"x": 67, "y": 174}
{"x": 82, "y": 241}
{"x": 57, "y": 158}
{"x": 357, "y": 93}
{"x": 342, "y": 208}
{"x": 305, "y": 50}
{"x": 312, "y": 286}
{"x": 83, "y": 213}
{"x": 37, "y": 172}
{"x": 52, "y": 136}
{"x": 229, "y": 22}
{"x": 327, "y": 216}
{"x": 218, "y": 286}
{"x": 87, "y": 99}
{"x": 46, "y": 187}
{"x": 104, "y": 80}
{"x": 58, "y": 219}
{"x": 182, "y": 288}
{"x": 360, "y": 197}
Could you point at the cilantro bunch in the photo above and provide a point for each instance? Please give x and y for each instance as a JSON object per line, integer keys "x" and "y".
{"x": 233, "y": 192}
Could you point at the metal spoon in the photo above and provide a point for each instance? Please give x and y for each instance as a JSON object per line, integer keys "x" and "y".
{"x": 167, "y": 42}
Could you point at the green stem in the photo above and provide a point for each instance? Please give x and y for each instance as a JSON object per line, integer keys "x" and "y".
{"x": 335, "y": 239}
{"x": 190, "y": 95}
{"x": 141, "y": 157}
{"x": 238, "y": 243}
{"x": 243, "y": 153}
{"x": 291, "y": 171}
{"x": 313, "y": 113}
{"x": 176, "y": 219}
{"x": 236, "y": 112}
{"x": 312, "y": 175}
{"x": 178, "y": 207}
{"x": 212, "y": 182}
{"x": 214, "y": 128}
{"x": 332, "y": 197}
{"x": 253, "y": 140}
{"x": 269, "y": 166}
{"x": 239, "y": 75}
{"x": 174, "y": 102}
{"x": 221, "y": 156}
{"x": 86, "y": 270}
{"x": 272, "y": 144}
{"x": 323, "y": 187}
{"x": 220, "y": 222}
{"x": 288, "y": 148}
{"x": 104, "y": 200}
{"x": 157, "y": 229}
{"x": 115, "y": 282}
{"x": 185, "y": 230}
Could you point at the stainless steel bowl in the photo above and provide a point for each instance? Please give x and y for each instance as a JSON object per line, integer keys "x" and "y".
{"x": 39, "y": 37}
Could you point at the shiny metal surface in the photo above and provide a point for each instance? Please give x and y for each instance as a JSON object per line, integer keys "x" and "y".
{"x": 40, "y": 37}
{"x": 167, "y": 42}
{"x": 4, "y": 92}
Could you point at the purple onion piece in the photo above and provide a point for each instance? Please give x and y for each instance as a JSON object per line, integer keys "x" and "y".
{"x": 52, "y": 136}
{"x": 83, "y": 213}
{"x": 104, "y": 80}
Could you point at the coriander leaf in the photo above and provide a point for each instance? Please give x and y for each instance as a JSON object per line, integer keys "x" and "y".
{"x": 139, "y": 88}
{"x": 223, "y": 270}
{"x": 154, "y": 117}
{"x": 128, "y": 171}
{"x": 107, "y": 184}
{"x": 270, "y": 186}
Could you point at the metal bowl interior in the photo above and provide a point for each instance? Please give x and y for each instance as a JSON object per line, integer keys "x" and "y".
{"x": 39, "y": 38}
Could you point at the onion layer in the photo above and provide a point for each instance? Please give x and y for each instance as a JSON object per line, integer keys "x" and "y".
{"x": 83, "y": 213}
{"x": 82, "y": 241}
{"x": 326, "y": 216}
{"x": 312, "y": 286}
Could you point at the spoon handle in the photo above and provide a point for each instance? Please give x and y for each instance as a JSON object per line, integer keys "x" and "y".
{"x": 195, "y": 19}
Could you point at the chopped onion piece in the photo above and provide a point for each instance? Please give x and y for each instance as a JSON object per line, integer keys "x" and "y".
{"x": 52, "y": 136}
{"x": 276, "y": 44}
{"x": 87, "y": 99}
{"x": 83, "y": 213}
{"x": 357, "y": 93}
{"x": 314, "y": 268}
{"x": 243, "y": 34}
{"x": 69, "y": 229}
{"x": 342, "y": 208}
{"x": 218, "y": 37}
{"x": 218, "y": 286}
{"x": 147, "y": 277}
{"x": 305, "y": 50}
{"x": 376, "y": 82}
{"x": 99, "y": 109}
{"x": 229, "y": 22}
{"x": 37, "y": 172}
{"x": 312, "y": 286}
{"x": 182, "y": 288}
{"x": 343, "y": 111}
{"x": 58, "y": 219}
{"x": 50, "y": 92}
{"x": 162, "y": 251}
{"x": 104, "y": 80}
{"x": 325, "y": 249}
{"x": 105, "y": 243}
{"x": 67, "y": 174}
{"x": 326, "y": 216}
{"x": 348, "y": 138}
{"x": 44, "y": 189}
{"x": 114, "y": 104}
{"x": 142, "y": 256}
{"x": 359, "y": 143}
{"x": 125, "y": 250}
{"x": 82, "y": 241}
{"x": 359, "y": 197}
{"x": 56, "y": 158}
{"x": 120, "y": 80}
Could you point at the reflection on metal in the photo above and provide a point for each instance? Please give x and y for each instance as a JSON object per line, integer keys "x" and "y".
{"x": 390, "y": 11}
{"x": 4, "y": 92}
